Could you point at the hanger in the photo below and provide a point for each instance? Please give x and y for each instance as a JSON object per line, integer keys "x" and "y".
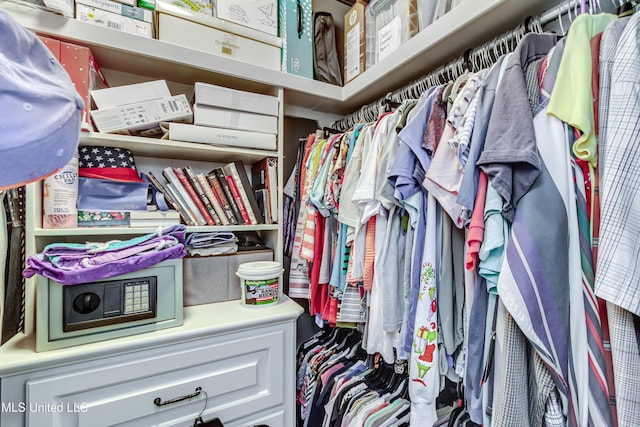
{"x": 329, "y": 131}
{"x": 564, "y": 33}
{"x": 211, "y": 423}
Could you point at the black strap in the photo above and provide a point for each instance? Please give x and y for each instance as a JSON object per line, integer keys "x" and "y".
{"x": 13, "y": 315}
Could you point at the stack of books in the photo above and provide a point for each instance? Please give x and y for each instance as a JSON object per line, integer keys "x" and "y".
{"x": 223, "y": 116}
{"x": 223, "y": 196}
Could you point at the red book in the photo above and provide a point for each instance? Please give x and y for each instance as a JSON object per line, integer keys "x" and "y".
{"x": 193, "y": 195}
{"x": 238, "y": 199}
{"x": 216, "y": 186}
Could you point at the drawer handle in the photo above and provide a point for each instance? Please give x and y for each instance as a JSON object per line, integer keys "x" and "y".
{"x": 158, "y": 401}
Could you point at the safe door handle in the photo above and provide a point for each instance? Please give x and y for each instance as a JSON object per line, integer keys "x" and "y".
{"x": 158, "y": 401}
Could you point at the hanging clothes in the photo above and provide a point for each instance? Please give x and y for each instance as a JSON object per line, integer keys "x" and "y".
{"x": 463, "y": 235}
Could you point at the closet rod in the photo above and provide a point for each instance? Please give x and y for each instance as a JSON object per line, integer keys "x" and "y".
{"x": 449, "y": 71}
{"x": 456, "y": 67}
{"x": 558, "y": 10}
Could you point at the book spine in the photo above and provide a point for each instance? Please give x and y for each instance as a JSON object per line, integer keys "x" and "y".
{"x": 192, "y": 220}
{"x": 263, "y": 204}
{"x": 171, "y": 177}
{"x": 238, "y": 199}
{"x": 201, "y": 193}
{"x": 222, "y": 198}
{"x": 170, "y": 199}
{"x": 212, "y": 199}
{"x": 195, "y": 198}
{"x": 222, "y": 179}
{"x": 246, "y": 191}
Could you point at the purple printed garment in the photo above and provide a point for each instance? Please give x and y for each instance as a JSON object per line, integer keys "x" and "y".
{"x": 73, "y": 263}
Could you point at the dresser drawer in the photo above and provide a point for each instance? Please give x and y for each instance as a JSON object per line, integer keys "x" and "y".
{"x": 239, "y": 375}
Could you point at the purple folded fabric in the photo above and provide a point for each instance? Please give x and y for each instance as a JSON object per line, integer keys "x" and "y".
{"x": 72, "y": 264}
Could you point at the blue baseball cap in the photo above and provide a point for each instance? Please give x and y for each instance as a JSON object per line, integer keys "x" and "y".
{"x": 39, "y": 108}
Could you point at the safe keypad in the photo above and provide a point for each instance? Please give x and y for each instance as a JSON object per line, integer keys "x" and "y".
{"x": 136, "y": 297}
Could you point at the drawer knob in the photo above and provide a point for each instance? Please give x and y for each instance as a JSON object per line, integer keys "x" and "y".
{"x": 159, "y": 402}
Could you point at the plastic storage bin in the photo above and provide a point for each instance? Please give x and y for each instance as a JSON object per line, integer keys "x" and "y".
{"x": 389, "y": 24}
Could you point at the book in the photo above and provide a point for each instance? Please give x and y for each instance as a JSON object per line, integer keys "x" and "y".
{"x": 262, "y": 197}
{"x": 154, "y": 215}
{"x": 176, "y": 195}
{"x": 220, "y": 136}
{"x": 193, "y": 195}
{"x": 181, "y": 194}
{"x": 191, "y": 175}
{"x": 222, "y": 198}
{"x": 103, "y": 219}
{"x": 264, "y": 175}
{"x": 237, "y": 198}
{"x": 171, "y": 200}
{"x": 213, "y": 199}
{"x": 153, "y": 218}
{"x": 222, "y": 179}
{"x": 237, "y": 171}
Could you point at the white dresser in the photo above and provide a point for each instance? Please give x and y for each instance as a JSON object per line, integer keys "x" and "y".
{"x": 241, "y": 360}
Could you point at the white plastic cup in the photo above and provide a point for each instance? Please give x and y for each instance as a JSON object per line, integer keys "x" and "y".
{"x": 260, "y": 283}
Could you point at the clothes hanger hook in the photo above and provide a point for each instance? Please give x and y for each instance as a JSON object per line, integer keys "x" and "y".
{"x": 560, "y": 23}
{"x": 198, "y": 419}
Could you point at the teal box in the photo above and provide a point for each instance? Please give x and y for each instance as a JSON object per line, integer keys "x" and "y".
{"x": 296, "y": 31}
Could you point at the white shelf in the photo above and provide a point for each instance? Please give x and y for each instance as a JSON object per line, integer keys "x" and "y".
{"x": 466, "y": 26}
{"x": 150, "y": 147}
{"x": 113, "y": 231}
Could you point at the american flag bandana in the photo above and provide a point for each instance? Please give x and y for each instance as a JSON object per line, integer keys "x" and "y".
{"x": 116, "y": 164}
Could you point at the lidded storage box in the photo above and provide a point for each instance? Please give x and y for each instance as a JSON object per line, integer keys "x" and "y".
{"x": 389, "y": 24}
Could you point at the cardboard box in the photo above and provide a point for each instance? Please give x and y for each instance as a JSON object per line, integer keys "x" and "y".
{"x": 205, "y": 7}
{"x": 85, "y": 74}
{"x": 213, "y": 279}
{"x": 204, "y": 115}
{"x": 120, "y": 9}
{"x": 82, "y": 68}
{"x": 297, "y": 43}
{"x": 259, "y": 14}
{"x": 111, "y": 20}
{"x": 143, "y": 118}
{"x": 354, "y": 41}
{"x": 219, "y": 136}
{"x": 217, "y": 37}
{"x": 219, "y": 96}
{"x": 129, "y": 2}
{"x": 130, "y": 94}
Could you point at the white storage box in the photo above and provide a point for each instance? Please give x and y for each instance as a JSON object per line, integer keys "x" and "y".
{"x": 120, "y": 9}
{"x": 204, "y": 115}
{"x": 111, "y": 20}
{"x": 129, "y": 94}
{"x": 259, "y": 14}
{"x": 219, "y": 136}
{"x": 143, "y": 118}
{"x": 219, "y": 96}
{"x": 217, "y": 37}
